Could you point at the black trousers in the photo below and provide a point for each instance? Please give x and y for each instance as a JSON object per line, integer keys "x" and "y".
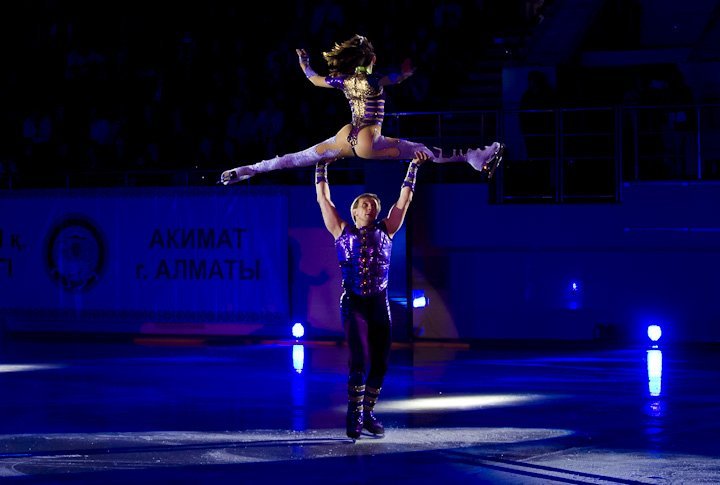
{"x": 368, "y": 330}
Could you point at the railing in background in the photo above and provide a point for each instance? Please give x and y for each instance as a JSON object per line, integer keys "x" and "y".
{"x": 583, "y": 154}
{"x": 449, "y": 130}
{"x": 561, "y": 155}
{"x": 553, "y": 155}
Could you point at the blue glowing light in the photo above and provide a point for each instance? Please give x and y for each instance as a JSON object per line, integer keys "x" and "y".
{"x": 573, "y": 296}
{"x": 419, "y": 299}
{"x": 298, "y": 330}
{"x": 654, "y": 332}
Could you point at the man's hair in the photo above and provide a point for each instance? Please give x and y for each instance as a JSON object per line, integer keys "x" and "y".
{"x": 343, "y": 58}
{"x": 366, "y": 195}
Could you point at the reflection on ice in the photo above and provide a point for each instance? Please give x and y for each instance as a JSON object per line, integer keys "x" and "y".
{"x": 654, "y": 367}
{"x": 298, "y": 357}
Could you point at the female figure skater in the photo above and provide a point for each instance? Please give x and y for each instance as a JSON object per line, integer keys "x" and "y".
{"x": 351, "y": 70}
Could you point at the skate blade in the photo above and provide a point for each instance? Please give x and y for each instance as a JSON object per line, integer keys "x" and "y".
{"x": 489, "y": 168}
{"x": 233, "y": 180}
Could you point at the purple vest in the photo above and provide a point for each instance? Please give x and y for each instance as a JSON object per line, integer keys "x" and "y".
{"x": 364, "y": 257}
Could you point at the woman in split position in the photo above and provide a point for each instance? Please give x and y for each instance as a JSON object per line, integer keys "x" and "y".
{"x": 351, "y": 70}
{"x": 363, "y": 250}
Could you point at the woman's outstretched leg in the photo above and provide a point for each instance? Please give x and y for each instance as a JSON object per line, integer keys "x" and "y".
{"x": 484, "y": 160}
{"x": 370, "y": 145}
{"x": 326, "y": 150}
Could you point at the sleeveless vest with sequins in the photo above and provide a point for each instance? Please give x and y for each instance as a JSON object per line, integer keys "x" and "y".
{"x": 364, "y": 257}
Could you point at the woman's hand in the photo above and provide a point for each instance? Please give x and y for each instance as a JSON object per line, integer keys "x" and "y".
{"x": 303, "y": 57}
{"x": 407, "y": 69}
{"x": 421, "y": 157}
{"x": 304, "y": 60}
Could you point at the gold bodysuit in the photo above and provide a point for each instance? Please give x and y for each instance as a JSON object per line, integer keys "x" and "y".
{"x": 366, "y": 98}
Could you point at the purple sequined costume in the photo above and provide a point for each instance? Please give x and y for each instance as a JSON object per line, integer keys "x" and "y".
{"x": 364, "y": 257}
{"x": 366, "y": 98}
{"x": 367, "y": 107}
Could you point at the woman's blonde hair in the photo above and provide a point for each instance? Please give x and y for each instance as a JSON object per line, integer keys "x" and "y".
{"x": 345, "y": 57}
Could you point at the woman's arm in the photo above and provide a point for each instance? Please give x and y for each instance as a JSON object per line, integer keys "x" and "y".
{"x": 406, "y": 70}
{"x": 396, "y": 217}
{"x": 331, "y": 218}
{"x": 313, "y": 77}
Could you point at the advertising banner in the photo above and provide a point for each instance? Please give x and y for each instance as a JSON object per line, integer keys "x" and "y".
{"x": 195, "y": 260}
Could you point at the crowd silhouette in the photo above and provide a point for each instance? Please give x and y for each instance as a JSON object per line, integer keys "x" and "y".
{"x": 117, "y": 87}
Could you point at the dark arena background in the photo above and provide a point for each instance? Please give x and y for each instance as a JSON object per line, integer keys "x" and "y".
{"x": 559, "y": 323}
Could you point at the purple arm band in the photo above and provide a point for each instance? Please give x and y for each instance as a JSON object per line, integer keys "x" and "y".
{"x": 309, "y": 72}
{"x": 410, "y": 177}
{"x": 305, "y": 59}
{"x": 320, "y": 172}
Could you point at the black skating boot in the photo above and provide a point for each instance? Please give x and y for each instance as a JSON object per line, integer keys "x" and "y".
{"x": 370, "y": 422}
{"x": 354, "y": 422}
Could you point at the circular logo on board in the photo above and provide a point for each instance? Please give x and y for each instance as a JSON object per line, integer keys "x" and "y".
{"x": 75, "y": 254}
